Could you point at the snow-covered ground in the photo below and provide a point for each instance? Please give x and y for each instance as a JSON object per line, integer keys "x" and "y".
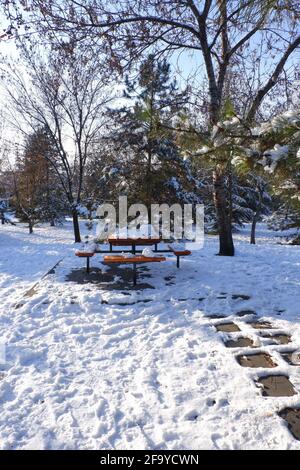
{"x": 91, "y": 368}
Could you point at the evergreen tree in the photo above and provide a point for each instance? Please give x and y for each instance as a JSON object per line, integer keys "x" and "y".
{"x": 279, "y": 146}
{"x": 38, "y": 195}
{"x": 152, "y": 165}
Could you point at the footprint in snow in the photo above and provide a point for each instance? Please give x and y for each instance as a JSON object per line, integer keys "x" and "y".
{"x": 215, "y": 438}
{"x": 101, "y": 411}
{"x": 170, "y": 436}
{"x": 210, "y": 402}
{"x": 100, "y": 408}
{"x": 223, "y": 402}
{"x": 191, "y": 415}
{"x": 240, "y": 297}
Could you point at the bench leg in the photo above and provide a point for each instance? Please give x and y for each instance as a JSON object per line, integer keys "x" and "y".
{"x": 133, "y": 249}
{"x": 110, "y": 248}
{"x": 155, "y": 247}
{"x": 134, "y": 274}
{"x": 87, "y": 264}
{"x": 178, "y": 262}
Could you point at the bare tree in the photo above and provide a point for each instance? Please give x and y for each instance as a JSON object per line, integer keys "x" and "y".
{"x": 64, "y": 91}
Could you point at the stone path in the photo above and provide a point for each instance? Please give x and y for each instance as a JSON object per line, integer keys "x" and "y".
{"x": 272, "y": 385}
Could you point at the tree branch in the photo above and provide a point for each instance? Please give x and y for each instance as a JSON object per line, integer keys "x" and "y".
{"x": 272, "y": 80}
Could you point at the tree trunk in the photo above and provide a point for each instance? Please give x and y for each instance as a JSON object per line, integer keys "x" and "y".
{"x": 30, "y": 226}
{"x": 253, "y": 228}
{"x": 223, "y": 212}
{"x": 52, "y": 223}
{"x": 76, "y": 226}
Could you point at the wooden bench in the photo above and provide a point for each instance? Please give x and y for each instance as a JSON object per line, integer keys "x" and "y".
{"x": 134, "y": 260}
{"x": 178, "y": 253}
{"x": 133, "y": 242}
{"x": 87, "y": 255}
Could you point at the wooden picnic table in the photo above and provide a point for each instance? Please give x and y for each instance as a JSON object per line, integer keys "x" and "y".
{"x": 135, "y": 259}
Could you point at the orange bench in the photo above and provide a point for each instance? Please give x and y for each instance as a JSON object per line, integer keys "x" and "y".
{"x": 178, "y": 253}
{"x": 134, "y": 260}
{"x": 87, "y": 255}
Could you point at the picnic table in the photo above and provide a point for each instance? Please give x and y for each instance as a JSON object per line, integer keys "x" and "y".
{"x": 134, "y": 258}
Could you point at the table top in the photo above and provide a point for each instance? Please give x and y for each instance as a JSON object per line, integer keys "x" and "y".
{"x": 114, "y": 240}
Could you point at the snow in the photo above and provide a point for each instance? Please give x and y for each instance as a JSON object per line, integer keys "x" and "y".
{"x": 91, "y": 368}
{"x": 288, "y": 118}
{"x": 203, "y": 150}
{"x": 82, "y": 210}
{"x": 278, "y": 152}
{"x": 273, "y": 156}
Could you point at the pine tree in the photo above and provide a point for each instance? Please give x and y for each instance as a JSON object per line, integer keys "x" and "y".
{"x": 279, "y": 146}
{"x": 274, "y": 147}
{"x": 152, "y": 170}
{"x": 38, "y": 195}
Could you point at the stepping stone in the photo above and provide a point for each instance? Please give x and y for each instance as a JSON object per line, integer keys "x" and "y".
{"x": 227, "y": 327}
{"x": 277, "y": 386}
{"x": 239, "y": 343}
{"x": 243, "y": 313}
{"x": 292, "y": 358}
{"x": 240, "y": 297}
{"x": 278, "y": 339}
{"x": 256, "y": 360}
{"x": 261, "y": 325}
{"x": 292, "y": 417}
